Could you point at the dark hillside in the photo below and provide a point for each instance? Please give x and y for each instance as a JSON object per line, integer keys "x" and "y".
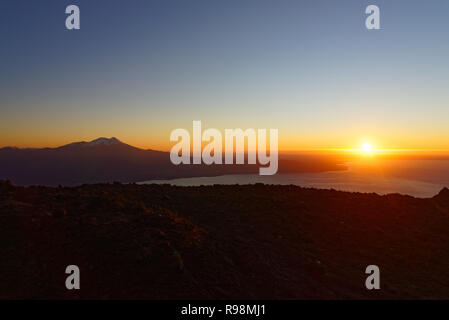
{"x": 220, "y": 242}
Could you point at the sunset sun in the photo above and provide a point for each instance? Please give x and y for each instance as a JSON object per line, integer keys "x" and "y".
{"x": 367, "y": 148}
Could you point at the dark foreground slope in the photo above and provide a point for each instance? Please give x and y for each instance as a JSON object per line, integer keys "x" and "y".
{"x": 267, "y": 242}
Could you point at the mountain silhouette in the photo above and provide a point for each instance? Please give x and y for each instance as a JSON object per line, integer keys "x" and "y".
{"x": 110, "y": 160}
{"x": 100, "y": 160}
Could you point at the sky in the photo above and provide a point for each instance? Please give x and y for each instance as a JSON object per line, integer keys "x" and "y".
{"x": 138, "y": 69}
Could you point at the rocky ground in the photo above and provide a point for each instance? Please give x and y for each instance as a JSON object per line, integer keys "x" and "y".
{"x": 220, "y": 242}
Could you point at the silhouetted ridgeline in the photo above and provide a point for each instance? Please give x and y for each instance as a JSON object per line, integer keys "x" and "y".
{"x": 107, "y": 160}
{"x": 221, "y": 242}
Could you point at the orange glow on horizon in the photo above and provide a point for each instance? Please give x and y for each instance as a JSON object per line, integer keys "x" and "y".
{"x": 161, "y": 143}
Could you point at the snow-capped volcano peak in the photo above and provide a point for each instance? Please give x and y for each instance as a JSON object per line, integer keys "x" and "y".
{"x": 100, "y": 142}
{"x": 104, "y": 141}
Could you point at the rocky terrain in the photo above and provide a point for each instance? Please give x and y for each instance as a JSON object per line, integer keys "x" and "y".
{"x": 220, "y": 242}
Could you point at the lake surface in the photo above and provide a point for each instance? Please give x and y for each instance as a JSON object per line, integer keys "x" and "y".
{"x": 419, "y": 178}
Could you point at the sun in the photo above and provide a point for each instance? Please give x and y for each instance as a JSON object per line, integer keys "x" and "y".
{"x": 367, "y": 148}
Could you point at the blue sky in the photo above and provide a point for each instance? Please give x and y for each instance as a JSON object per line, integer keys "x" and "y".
{"x": 138, "y": 69}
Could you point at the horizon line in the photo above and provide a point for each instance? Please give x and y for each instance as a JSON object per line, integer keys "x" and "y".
{"x": 344, "y": 150}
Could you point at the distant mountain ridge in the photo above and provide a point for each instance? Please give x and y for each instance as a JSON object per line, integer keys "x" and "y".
{"x": 109, "y": 159}
{"x": 99, "y": 160}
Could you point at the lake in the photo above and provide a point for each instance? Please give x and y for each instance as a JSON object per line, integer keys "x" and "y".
{"x": 419, "y": 178}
